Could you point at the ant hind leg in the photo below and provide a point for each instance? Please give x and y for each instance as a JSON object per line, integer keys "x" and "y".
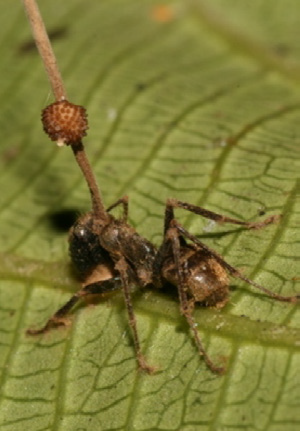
{"x": 219, "y": 218}
{"x": 172, "y": 235}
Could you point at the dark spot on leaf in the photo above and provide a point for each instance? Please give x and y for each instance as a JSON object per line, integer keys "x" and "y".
{"x": 64, "y": 219}
{"x": 261, "y": 211}
{"x": 140, "y": 86}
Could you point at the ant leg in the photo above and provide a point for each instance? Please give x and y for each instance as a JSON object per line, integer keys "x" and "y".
{"x": 58, "y": 318}
{"x": 233, "y": 271}
{"x": 124, "y": 202}
{"x": 185, "y": 307}
{"x": 121, "y": 266}
{"x": 174, "y": 203}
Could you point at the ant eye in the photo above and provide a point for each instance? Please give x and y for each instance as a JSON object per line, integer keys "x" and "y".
{"x": 65, "y": 122}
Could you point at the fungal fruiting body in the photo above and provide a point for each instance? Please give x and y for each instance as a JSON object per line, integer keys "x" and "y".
{"x": 65, "y": 122}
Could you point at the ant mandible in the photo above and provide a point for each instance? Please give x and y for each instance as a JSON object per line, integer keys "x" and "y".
{"x": 98, "y": 239}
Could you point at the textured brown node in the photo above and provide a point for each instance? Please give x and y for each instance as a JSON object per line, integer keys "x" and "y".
{"x": 65, "y": 122}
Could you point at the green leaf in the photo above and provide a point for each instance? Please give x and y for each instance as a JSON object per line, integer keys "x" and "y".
{"x": 196, "y": 100}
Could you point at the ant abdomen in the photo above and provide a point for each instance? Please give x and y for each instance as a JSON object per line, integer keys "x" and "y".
{"x": 84, "y": 246}
{"x": 205, "y": 280}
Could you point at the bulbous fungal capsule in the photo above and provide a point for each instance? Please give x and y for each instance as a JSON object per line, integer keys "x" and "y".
{"x": 65, "y": 122}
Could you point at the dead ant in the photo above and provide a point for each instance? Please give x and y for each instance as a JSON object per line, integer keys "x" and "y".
{"x": 98, "y": 240}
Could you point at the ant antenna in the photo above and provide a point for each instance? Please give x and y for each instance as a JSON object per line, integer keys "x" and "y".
{"x": 63, "y": 121}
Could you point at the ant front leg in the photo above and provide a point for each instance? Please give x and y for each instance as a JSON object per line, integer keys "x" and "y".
{"x": 219, "y": 218}
{"x": 122, "y": 267}
{"x": 59, "y": 318}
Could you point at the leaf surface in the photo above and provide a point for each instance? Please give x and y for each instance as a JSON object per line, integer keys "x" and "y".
{"x": 195, "y": 100}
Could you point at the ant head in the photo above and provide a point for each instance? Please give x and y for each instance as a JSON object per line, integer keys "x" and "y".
{"x": 84, "y": 246}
